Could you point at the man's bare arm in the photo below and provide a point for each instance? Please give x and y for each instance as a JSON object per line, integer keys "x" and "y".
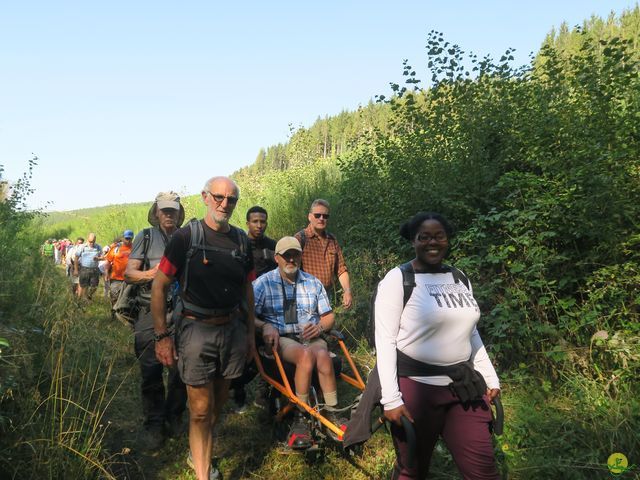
{"x": 159, "y": 290}
{"x": 347, "y": 298}
{"x": 135, "y": 274}
{"x": 165, "y": 349}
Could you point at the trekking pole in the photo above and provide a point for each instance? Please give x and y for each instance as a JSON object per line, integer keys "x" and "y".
{"x": 498, "y": 424}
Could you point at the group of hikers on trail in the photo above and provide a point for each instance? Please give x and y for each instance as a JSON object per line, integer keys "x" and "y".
{"x": 207, "y": 290}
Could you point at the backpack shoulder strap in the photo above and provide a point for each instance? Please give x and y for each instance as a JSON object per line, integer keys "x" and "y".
{"x": 408, "y": 284}
{"x": 408, "y": 281}
{"x": 243, "y": 240}
{"x": 146, "y": 241}
{"x": 197, "y": 236}
{"x": 459, "y": 276}
{"x": 303, "y": 238}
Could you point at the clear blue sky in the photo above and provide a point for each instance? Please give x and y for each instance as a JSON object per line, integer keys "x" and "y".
{"x": 120, "y": 100}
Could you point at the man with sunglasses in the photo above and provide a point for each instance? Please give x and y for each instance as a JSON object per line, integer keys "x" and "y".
{"x": 321, "y": 255}
{"x": 215, "y": 332}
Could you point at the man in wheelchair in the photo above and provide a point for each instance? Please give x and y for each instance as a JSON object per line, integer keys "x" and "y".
{"x": 292, "y": 311}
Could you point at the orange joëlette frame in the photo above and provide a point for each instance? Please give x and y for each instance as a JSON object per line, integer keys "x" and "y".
{"x": 285, "y": 387}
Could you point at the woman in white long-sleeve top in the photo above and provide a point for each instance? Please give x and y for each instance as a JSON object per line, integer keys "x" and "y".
{"x": 433, "y": 337}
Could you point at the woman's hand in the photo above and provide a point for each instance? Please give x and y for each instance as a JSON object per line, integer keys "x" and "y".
{"x": 395, "y": 414}
{"x": 492, "y": 393}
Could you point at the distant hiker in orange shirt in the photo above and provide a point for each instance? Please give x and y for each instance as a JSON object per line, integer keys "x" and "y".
{"x": 118, "y": 257}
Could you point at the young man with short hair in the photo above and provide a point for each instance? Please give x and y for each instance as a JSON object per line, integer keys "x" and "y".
{"x": 263, "y": 249}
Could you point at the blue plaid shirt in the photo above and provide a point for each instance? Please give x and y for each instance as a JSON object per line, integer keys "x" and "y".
{"x": 311, "y": 299}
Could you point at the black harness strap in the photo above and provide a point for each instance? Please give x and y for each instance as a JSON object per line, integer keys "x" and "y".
{"x": 145, "y": 248}
{"x": 408, "y": 282}
{"x": 468, "y": 384}
{"x": 198, "y": 242}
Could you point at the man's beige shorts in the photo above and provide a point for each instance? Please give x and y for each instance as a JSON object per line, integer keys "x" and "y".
{"x": 286, "y": 342}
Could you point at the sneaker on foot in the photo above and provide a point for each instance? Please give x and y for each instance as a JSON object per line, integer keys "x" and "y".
{"x": 262, "y": 402}
{"x": 240, "y": 409}
{"x": 240, "y": 399}
{"x": 214, "y": 471}
{"x": 261, "y": 399}
{"x": 299, "y": 435}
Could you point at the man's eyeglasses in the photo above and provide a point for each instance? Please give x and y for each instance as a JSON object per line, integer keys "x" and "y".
{"x": 231, "y": 200}
{"x": 438, "y": 237}
{"x": 324, "y": 216}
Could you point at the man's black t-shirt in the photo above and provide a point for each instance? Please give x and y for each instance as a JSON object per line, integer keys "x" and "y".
{"x": 263, "y": 254}
{"x": 218, "y": 282}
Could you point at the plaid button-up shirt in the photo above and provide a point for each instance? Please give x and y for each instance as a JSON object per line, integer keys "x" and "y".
{"x": 311, "y": 300}
{"x": 322, "y": 256}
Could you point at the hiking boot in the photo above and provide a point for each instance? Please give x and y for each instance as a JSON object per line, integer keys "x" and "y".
{"x": 214, "y": 471}
{"x": 240, "y": 399}
{"x": 151, "y": 438}
{"x": 299, "y": 435}
{"x": 333, "y": 417}
{"x": 261, "y": 399}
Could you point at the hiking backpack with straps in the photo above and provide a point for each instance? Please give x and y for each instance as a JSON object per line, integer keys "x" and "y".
{"x": 127, "y": 305}
{"x": 408, "y": 284}
{"x": 198, "y": 243}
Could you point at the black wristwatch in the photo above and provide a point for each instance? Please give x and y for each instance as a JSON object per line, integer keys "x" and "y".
{"x": 159, "y": 336}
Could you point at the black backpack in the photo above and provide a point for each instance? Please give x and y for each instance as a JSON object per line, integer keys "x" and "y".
{"x": 128, "y": 304}
{"x": 408, "y": 284}
{"x": 198, "y": 243}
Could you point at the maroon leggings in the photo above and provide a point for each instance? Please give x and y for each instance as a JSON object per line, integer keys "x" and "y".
{"x": 436, "y": 411}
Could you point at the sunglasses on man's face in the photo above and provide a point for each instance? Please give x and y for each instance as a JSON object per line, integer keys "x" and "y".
{"x": 231, "y": 200}
{"x": 324, "y": 216}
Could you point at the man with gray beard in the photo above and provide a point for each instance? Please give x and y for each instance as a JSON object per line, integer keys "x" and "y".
{"x": 293, "y": 311}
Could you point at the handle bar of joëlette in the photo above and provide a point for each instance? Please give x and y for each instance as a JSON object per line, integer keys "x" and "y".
{"x": 498, "y": 424}
{"x": 283, "y": 386}
{"x": 409, "y": 431}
